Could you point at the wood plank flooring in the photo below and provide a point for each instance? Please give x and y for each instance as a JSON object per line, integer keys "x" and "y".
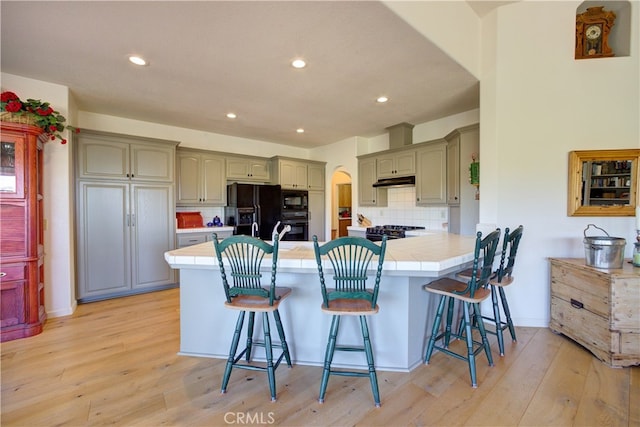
{"x": 115, "y": 362}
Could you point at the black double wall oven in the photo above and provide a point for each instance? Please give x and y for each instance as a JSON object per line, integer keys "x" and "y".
{"x": 295, "y": 213}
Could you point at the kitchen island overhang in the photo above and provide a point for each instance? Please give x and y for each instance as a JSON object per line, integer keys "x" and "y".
{"x": 399, "y": 332}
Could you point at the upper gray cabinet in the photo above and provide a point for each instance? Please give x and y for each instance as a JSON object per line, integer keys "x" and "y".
{"x": 248, "y": 169}
{"x": 396, "y": 164}
{"x": 107, "y": 156}
{"x": 368, "y": 195}
{"x": 201, "y": 178}
{"x": 296, "y": 174}
{"x": 431, "y": 178}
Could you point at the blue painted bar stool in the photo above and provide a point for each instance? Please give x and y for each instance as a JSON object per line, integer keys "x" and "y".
{"x": 470, "y": 294}
{"x": 245, "y": 292}
{"x": 350, "y": 258}
{"x": 501, "y": 277}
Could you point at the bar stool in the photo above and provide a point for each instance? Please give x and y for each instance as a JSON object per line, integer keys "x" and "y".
{"x": 470, "y": 294}
{"x": 350, "y": 258}
{"x": 501, "y": 277}
{"x": 243, "y": 255}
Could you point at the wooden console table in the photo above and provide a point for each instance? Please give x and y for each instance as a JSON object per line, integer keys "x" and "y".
{"x": 598, "y": 308}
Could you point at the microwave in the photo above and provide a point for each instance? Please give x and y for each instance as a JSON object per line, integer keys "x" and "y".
{"x": 294, "y": 200}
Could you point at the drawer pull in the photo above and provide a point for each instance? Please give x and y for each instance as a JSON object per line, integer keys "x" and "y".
{"x": 576, "y": 303}
{"x": 2, "y": 274}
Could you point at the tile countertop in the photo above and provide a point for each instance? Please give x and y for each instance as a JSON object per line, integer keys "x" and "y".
{"x": 431, "y": 255}
{"x": 203, "y": 229}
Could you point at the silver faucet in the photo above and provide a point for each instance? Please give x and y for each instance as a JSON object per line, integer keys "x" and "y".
{"x": 254, "y": 229}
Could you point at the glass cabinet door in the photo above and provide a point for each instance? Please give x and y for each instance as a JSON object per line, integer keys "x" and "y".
{"x": 11, "y": 167}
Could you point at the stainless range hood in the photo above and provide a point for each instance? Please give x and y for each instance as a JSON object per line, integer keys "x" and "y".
{"x": 401, "y": 181}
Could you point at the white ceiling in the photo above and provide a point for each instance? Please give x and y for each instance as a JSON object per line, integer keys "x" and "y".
{"x": 207, "y": 58}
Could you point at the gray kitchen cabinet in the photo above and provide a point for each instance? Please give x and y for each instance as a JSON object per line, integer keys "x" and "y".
{"x": 368, "y": 195}
{"x": 104, "y": 155}
{"x": 248, "y": 169}
{"x": 317, "y": 215}
{"x": 464, "y": 207}
{"x": 125, "y": 214}
{"x": 123, "y": 231}
{"x": 396, "y": 164}
{"x": 295, "y": 174}
{"x": 190, "y": 239}
{"x": 431, "y": 175}
{"x": 315, "y": 176}
{"x": 201, "y": 178}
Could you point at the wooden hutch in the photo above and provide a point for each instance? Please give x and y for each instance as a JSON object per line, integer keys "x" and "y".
{"x": 22, "y": 312}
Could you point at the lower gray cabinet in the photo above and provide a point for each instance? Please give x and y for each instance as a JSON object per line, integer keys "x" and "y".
{"x": 123, "y": 232}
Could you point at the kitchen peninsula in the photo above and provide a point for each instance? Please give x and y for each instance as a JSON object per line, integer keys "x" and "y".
{"x": 398, "y": 332}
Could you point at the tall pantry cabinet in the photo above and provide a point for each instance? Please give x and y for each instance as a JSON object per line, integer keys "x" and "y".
{"x": 125, "y": 214}
{"x": 22, "y": 311}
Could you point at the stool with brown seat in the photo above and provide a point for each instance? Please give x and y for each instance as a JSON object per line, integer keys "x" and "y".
{"x": 350, "y": 258}
{"x": 470, "y": 294}
{"x": 245, "y": 292}
{"x": 501, "y": 277}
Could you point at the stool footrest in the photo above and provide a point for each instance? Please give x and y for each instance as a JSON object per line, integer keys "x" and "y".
{"x": 350, "y": 373}
{"x": 349, "y": 348}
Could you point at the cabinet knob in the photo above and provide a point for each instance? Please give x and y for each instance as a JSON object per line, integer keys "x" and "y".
{"x": 2, "y": 274}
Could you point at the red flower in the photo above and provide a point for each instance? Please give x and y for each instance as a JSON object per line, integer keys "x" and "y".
{"x": 53, "y": 137}
{"x": 13, "y": 106}
{"x": 53, "y": 128}
{"x": 8, "y": 96}
{"x": 44, "y": 112}
{"x": 64, "y": 141}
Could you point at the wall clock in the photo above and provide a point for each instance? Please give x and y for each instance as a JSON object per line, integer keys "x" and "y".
{"x": 592, "y": 33}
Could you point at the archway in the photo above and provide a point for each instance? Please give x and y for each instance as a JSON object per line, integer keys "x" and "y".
{"x": 341, "y": 203}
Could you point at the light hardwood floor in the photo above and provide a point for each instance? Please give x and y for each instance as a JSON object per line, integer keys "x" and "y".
{"x": 116, "y": 362}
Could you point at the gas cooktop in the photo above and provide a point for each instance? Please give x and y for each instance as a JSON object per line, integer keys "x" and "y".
{"x": 391, "y": 231}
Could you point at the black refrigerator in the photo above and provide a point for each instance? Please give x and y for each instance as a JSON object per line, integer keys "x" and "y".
{"x": 248, "y": 204}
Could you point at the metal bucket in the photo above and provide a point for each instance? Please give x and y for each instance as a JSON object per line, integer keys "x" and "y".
{"x": 603, "y": 251}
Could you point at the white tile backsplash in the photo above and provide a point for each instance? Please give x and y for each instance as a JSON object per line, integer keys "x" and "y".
{"x": 402, "y": 210}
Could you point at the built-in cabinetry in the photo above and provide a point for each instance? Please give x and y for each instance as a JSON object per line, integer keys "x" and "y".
{"x": 248, "y": 169}
{"x": 184, "y": 239}
{"x": 125, "y": 221}
{"x": 396, "y": 164}
{"x": 296, "y": 174}
{"x": 598, "y": 308}
{"x": 368, "y": 195}
{"x": 431, "y": 184}
{"x": 22, "y": 312}
{"x": 463, "y": 145}
{"x": 316, "y": 214}
{"x": 201, "y": 178}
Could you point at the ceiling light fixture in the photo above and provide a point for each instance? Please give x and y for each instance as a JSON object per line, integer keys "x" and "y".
{"x": 231, "y": 115}
{"x": 298, "y": 63}
{"x": 300, "y": 130}
{"x": 382, "y": 99}
{"x": 138, "y": 60}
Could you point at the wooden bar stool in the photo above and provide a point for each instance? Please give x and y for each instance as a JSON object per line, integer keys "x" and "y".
{"x": 501, "y": 277}
{"x": 470, "y": 294}
{"x": 243, "y": 255}
{"x": 350, "y": 258}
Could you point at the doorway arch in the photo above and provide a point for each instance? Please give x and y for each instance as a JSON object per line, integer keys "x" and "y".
{"x": 340, "y": 181}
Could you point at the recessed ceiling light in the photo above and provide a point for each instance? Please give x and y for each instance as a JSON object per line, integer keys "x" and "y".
{"x": 231, "y": 115}
{"x": 382, "y": 99}
{"x": 138, "y": 60}
{"x": 298, "y": 63}
{"x": 300, "y": 130}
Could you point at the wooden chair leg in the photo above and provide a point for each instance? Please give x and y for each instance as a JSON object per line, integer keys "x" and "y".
{"x": 328, "y": 357}
{"x": 250, "y": 323}
{"x": 496, "y": 319}
{"x": 447, "y": 335}
{"x": 471, "y": 358}
{"x": 269, "y": 353}
{"x": 232, "y": 353}
{"x": 369, "y": 351}
{"x": 507, "y": 313}
{"x": 283, "y": 340}
{"x": 434, "y": 330}
{"x": 483, "y": 334}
